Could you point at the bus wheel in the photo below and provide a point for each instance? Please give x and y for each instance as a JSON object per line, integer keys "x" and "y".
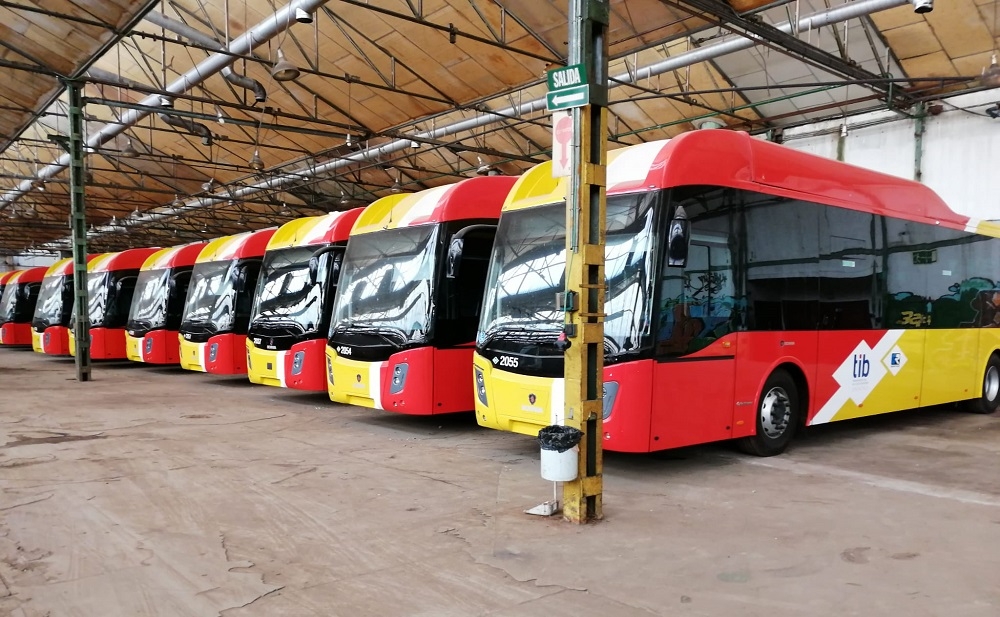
{"x": 990, "y": 399}
{"x": 777, "y": 417}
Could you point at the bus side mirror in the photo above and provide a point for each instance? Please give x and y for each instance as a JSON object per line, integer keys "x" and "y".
{"x": 313, "y": 270}
{"x": 314, "y": 263}
{"x": 241, "y": 280}
{"x": 678, "y": 237}
{"x": 454, "y": 257}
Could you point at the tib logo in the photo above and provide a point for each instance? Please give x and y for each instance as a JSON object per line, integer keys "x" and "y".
{"x": 862, "y": 367}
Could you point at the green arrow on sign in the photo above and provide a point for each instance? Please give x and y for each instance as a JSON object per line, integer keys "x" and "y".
{"x": 567, "y": 98}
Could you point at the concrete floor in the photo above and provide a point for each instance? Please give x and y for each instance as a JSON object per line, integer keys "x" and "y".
{"x": 152, "y": 491}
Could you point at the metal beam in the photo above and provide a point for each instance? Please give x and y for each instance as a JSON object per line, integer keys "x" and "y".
{"x": 78, "y": 223}
{"x": 260, "y": 33}
{"x": 586, "y": 216}
{"x": 795, "y": 46}
{"x": 382, "y": 152}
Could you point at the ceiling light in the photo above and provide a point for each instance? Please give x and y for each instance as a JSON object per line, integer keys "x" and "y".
{"x": 991, "y": 74}
{"x": 303, "y": 17}
{"x": 166, "y": 101}
{"x": 284, "y": 210}
{"x": 343, "y": 199}
{"x": 209, "y": 185}
{"x": 396, "y": 187}
{"x": 486, "y": 169}
{"x": 178, "y": 202}
{"x": 219, "y": 115}
{"x": 256, "y": 163}
{"x": 283, "y": 70}
{"x": 129, "y": 150}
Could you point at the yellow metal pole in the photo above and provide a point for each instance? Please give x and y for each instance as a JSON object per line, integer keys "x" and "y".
{"x": 585, "y": 224}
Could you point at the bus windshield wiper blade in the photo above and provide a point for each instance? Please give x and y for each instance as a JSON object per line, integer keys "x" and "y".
{"x": 520, "y": 333}
{"x": 393, "y": 336}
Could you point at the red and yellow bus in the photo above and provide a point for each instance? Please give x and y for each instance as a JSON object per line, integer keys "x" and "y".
{"x": 751, "y": 289}
{"x": 405, "y": 316}
{"x": 17, "y": 305}
{"x": 111, "y": 279}
{"x": 217, "y": 309}
{"x": 291, "y": 314}
{"x": 53, "y": 310}
{"x": 158, "y": 304}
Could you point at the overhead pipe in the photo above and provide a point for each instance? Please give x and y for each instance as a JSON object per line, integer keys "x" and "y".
{"x": 840, "y": 14}
{"x": 190, "y": 125}
{"x": 263, "y": 31}
{"x": 199, "y": 37}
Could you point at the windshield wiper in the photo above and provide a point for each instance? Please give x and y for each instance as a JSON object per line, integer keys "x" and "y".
{"x": 521, "y": 334}
{"x": 199, "y": 327}
{"x": 392, "y": 336}
{"x": 285, "y": 327}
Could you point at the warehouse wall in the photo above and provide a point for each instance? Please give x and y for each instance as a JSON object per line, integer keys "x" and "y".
{"x": 961, "y": 150}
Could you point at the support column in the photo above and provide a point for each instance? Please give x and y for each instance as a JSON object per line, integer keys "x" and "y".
{"x": 78, "y": 223}
{"x": 585, "y": 225}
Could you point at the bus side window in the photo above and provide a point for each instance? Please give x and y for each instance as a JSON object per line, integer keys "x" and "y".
{"x": 464, "y": 293}
{"x": 118, "y": 311}
{"x": 176, "y": 298}
{"x": 697, "y": 302}
{"x": 245, "y": 295}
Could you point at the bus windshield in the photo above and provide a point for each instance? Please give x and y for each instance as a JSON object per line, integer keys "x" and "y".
{"x": 149, "y": 307}
{"x": 109, "y": 296}
{"x": 55, "y": 302}
{"x": 528, "y": 268}
{"x": 386, "y": 288}
{"x": 286, "y": 304}
{"x": 211, "y": 298}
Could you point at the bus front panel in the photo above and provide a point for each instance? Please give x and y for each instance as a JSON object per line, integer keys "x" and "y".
{"x": 303, "y": 367}
{"x": 54, "y": 341}
{"x": 419, "y": 381}
{"x": 524, "y": 404}
{"x": 15, "y": 334}
{"x": 221, "y": 354}
{"x": 154, "y": 347}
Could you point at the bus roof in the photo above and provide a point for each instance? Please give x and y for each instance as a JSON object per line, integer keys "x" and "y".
{"x": 64, "y": 267}
{"x": 722, "y": 157}
{"x": 474, "y": 198}
{"x": 174, "y": 256}
{"x": 130, "y": 259}
{"x": 6, "y": 277}
{"x": 237, "y": 246}
{"x": 31, "y": 275}
{"x": 310, "y": 230}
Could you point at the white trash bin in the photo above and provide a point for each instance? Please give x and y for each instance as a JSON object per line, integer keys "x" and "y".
{"x": 560, "y": 466}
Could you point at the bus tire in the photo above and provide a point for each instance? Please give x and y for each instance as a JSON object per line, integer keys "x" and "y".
{"x": 778, "y": 412}
{"x": 989, "y": 400}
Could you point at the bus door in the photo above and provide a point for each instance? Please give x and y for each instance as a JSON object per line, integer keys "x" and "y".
{"x": 695, "y": 347}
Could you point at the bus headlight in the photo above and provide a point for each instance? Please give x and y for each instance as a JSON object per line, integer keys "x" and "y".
{"x": 213, "y": 352}
{"x": 480, "y": 386}
{"x": 610, "y": 393}
{"x": 298, "y": 360}
{"x": 329, "y": 370}
{"x": 398, "y": 378}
